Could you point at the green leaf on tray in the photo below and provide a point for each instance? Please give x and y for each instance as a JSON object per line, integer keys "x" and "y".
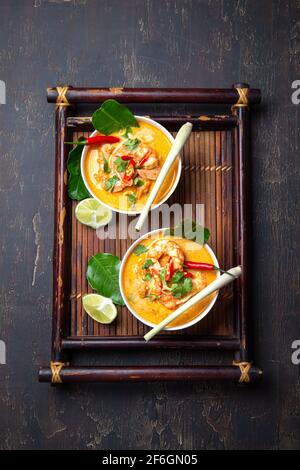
{"x": 103, "y": 276}
{"x": 140, "y": 249}
{"x": 190, "y": 230}
{"x": 76, "y": 186}
{"x": 113, "y": 116}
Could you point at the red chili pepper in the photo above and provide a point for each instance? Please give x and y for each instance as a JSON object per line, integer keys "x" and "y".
{"x": 145, "y": 158}
{"x": 130, "y": 170}
{"x": 170, "y": 270}
{"x": 186, "y": 274}
{"x": 196, "y": 265}
{"x": 204, "y": 266}
{"x": 96, "y": 140}
{"x": 126, "y": 158}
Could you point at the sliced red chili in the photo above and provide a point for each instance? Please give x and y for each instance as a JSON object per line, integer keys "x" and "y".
{"x": 145, "y": 158}
{"x": 170, "y": 270}
{"x": 130, "y": 171}
{"x": 126, "y": 158}
{"x": 96, "y": 140}
{"x": 186, "y": 274}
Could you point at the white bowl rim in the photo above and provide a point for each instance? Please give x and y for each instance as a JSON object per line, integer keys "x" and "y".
{"x": 136, "y": 315}
{"x": 121, "y": 211}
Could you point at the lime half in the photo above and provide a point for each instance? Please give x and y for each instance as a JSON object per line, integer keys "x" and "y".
{"x": 100, "y": 309}
{"x": 91, "y": 212}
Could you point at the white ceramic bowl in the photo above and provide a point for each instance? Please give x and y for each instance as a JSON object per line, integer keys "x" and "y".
{"x": 136, "y": 315}
{"x": 131, "y": 212}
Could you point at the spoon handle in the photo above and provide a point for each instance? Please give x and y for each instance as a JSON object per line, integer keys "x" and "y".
{"x": 222, "y": 281}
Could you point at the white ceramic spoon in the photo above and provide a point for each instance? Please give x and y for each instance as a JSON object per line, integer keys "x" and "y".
{"x": 222, "y": 281}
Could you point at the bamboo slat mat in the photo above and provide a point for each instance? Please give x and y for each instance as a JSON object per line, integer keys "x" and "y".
{"x": 207, "y": 178}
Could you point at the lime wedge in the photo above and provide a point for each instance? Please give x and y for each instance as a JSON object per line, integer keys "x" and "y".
{"x": 100, "y": 309}
{"x": 91, "y": 212}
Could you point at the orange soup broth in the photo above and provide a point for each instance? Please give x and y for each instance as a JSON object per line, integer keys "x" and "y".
{"x": 119, "y": 200}
{"x": 152, "y": 310}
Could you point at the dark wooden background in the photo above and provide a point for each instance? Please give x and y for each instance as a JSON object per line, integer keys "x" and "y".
{"x": 147, "y": 43}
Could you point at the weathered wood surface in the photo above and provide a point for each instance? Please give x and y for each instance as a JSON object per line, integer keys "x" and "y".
{"x": 147, "y": 43}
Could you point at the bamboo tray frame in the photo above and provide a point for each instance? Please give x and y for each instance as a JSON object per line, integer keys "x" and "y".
{"x": 240, "y": 369}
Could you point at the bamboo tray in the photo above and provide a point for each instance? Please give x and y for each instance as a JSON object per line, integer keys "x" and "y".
{"x": 215, "y": 172}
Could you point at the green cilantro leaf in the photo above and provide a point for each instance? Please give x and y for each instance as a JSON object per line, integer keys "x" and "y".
{"x": 177, "y": 277}
{"x": 131, "y": 144}
{"x": 131, "y": 199}
{"x": 147, "y": 277}
{"x": 140, "y": 249}
{"x": 110, "y": 183}
{"x": 183, "y": 289}
{"x": 121, "y": 164}
{"x": 105, "y": 165}
{"x": 148, "y": 263}
{"x": 138, "y": 182}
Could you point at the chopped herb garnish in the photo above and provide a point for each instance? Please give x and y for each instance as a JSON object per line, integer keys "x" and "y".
{"x": 121, "y": 165}
{"x": 140, "y": 249}
{"x": 131, "y": 199}
{"x": 162, "y": 275}
{"x": 110, "y": 183}
{"x": 128, "y": 130}
{"x": 182, "y": 289}
{"x": 131, "y": 144}
{"x": 177, "y": 277}
{"x": 148, "y": 277}
{"x": 152, "y": 297}
{"x": 148, "y": 263}
{"x": 138, "y": 182}
{"x": 105, "y": 165}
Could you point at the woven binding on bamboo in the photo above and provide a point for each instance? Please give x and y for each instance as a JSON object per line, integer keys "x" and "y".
{"x": 61, "y": 99}
{"x": 245, "y": 369}
{"x": 243, "y": 98}
{"x": 55, "y": 369}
